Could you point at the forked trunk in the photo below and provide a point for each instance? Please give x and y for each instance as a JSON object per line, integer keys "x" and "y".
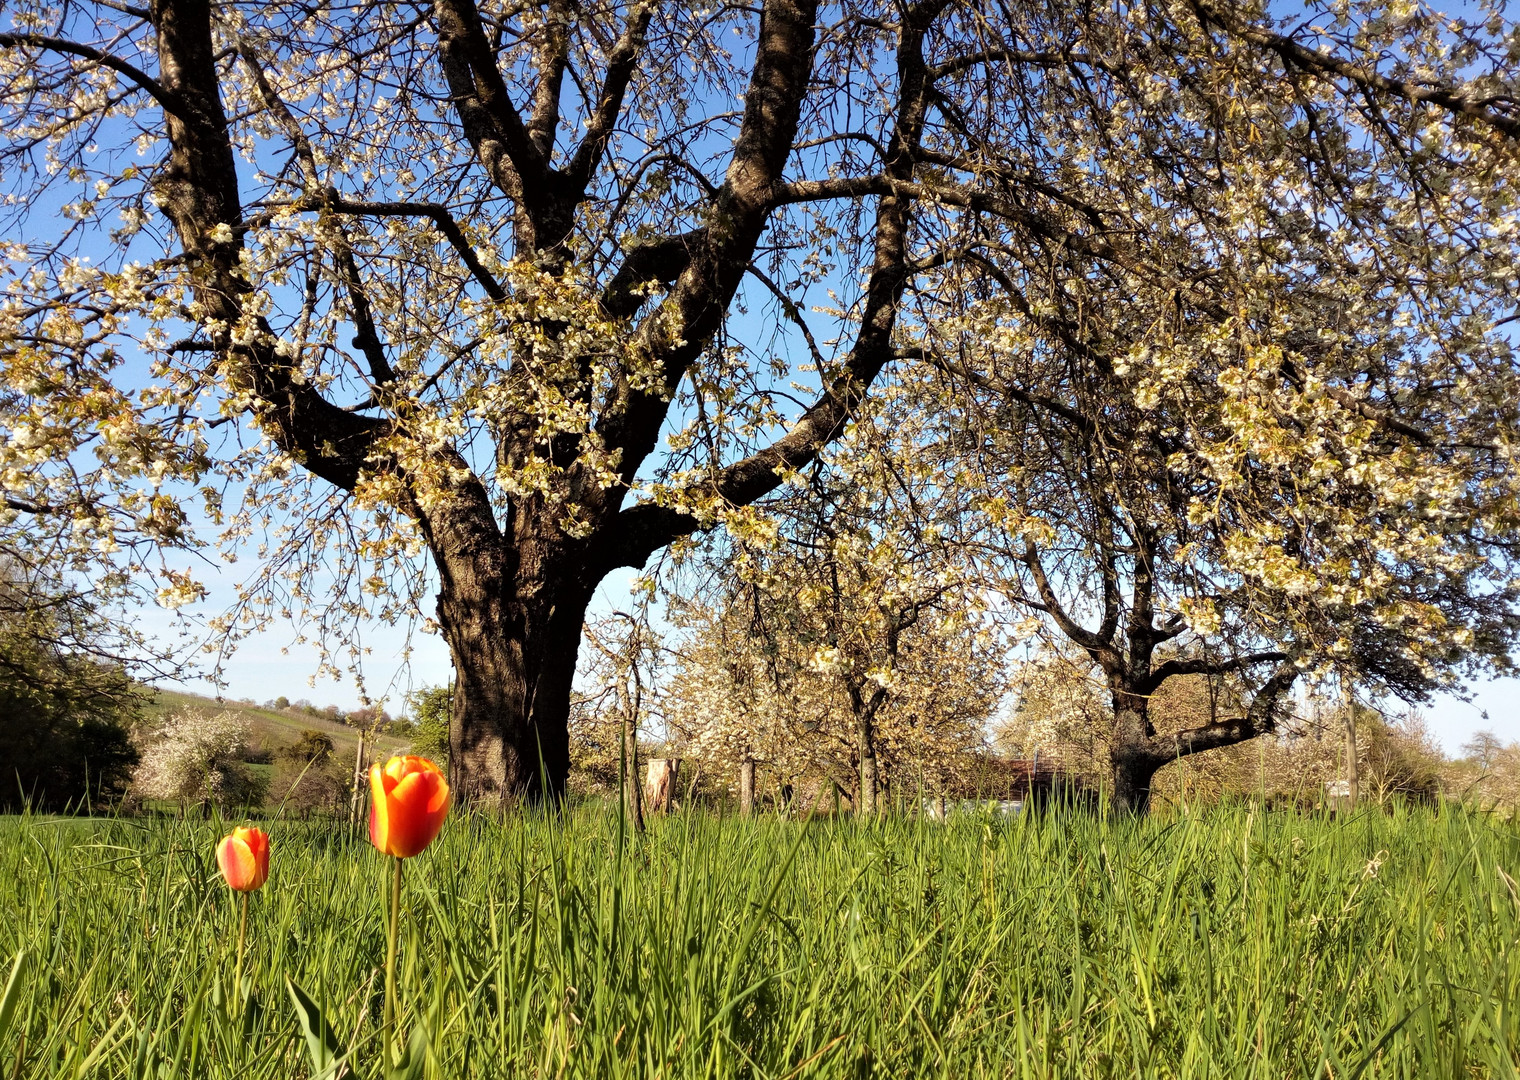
{"x": 865, "y": 710}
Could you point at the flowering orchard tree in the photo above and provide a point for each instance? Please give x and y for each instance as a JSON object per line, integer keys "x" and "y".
{"x": 192, "y": 756}
{"x": 847, "y": 635}
{"x": 427, "y": 284}
{"x": 1291, "y": 453}
{"x": 739, "y": 697}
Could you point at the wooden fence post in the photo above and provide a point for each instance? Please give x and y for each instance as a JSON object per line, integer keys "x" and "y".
{"x": 747, "y": 787}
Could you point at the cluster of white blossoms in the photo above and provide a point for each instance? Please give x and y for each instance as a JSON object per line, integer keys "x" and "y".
{"x": 186, "y": 756}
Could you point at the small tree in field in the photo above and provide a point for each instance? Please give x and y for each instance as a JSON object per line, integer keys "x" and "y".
{"x": 847, "y": 639}
{"x": 307, "y": 775}
{"x": 1488, "y": 773}
{"x": 430, "y": 708}
{"x": 192, "y": 757}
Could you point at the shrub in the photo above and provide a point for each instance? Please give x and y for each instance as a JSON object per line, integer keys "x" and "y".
{"x": 64, "y": 739}
{"x": 57, "y": 758}
{"x": 306, "y": 786}
{"x": 192, "y": 757}
{"x": 310, "y": 746}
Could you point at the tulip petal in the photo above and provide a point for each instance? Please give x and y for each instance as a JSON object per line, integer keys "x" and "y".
{"x": 257, "y": 841}
{"x": 409, "y": 829}
{"x": 237, "y": 864}
{"x": 379, "y": 809}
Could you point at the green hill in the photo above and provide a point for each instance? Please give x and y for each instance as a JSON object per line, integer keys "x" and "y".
{"x": 272, "y": 728}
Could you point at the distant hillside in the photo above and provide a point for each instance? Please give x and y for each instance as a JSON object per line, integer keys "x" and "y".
{"x": 272, "y": 729}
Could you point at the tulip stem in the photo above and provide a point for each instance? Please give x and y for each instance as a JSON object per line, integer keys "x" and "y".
{"x": 390, "y": 960}
{"x": 237, "y": 969}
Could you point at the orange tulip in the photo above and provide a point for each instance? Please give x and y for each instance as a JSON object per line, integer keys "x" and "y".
{"x": 244, "y": 859}
{"x": 409, "y": 798}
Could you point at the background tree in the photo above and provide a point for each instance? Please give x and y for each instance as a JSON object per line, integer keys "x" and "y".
{"x": 430, "y": 709}
{"x": 476, "y": 260}
{"x": 191, "y": 757}
{"x": 68, "y": 746}
{"x": 847, "y": 638}
{"x": 65, "y": 713}
{"x": 620, "y": 676}
{"x": 1488, "y": 774}
{"x": 308, "y": 776}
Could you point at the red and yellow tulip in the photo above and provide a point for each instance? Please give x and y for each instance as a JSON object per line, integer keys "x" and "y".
{"x": 409, "y": 799}
{"x": 243, "y": 857}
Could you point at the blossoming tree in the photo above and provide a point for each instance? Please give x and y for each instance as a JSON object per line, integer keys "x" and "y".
{"x": 841, "y": 633}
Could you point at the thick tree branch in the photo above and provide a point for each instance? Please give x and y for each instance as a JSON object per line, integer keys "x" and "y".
{"x": 658, "y": 261}
{"x": 1103, "y": 651}
{"x": 1173, "y": 668}
{"x": 170, "y": 100}
{"x": 485, "y": 110}
{"x": 647, "y": 527}
{"x": 674, "y": 335}
{"x": 622, "y": 63}
{"x": 198, "y": 191}
{"x": 1259, "y": 719}
{"x": 553, "y": 58}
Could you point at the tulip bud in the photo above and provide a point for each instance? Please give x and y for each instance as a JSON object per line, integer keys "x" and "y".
{"x": 244, "y": 858}
{"x": 409, "y": 798}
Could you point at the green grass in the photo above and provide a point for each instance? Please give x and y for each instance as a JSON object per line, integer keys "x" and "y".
{"x": 1232, "y": 944}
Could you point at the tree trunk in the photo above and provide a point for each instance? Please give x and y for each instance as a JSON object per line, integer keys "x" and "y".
{"x": 865, "y": 710}
{"x": 747, "y": 787}
{"x": 661, "y": 782}
{"x": 867, "y": 804}
{"x": 514, "y": 639}
{"x": 1132, "y": 783}
{"x": 356, "y": 804}
{"x": 633, "y": 791}
{"x": 1133, "y": 764}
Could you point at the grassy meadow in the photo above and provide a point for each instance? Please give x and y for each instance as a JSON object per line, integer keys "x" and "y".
{"x": 1236, "y": 943}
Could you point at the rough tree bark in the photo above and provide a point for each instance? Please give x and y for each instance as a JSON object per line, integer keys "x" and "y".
{"x": 867, "y": 804}
{"x": 865, "y": 709}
